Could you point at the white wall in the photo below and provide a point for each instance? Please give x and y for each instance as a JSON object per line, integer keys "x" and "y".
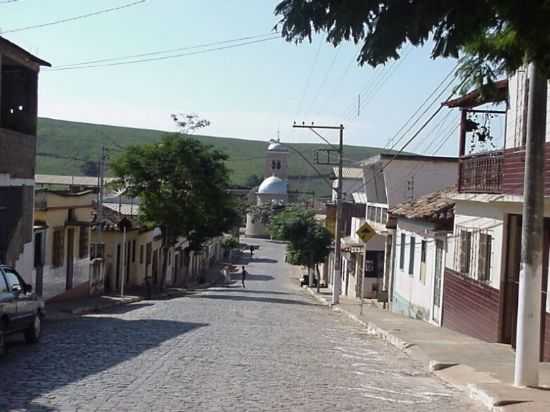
{"x": 515, "y": 114}
{"x": 349, "y": 186}
{"x": 429, "y": 176}
{"x": 412, "y": 297}
{"x": 476, "y": 216}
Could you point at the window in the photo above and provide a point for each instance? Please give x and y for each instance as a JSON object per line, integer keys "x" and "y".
{"x": 141, "y": 254}
{"x": 465, "y": 250}
{"x": 411, "y": 255}
{"x": 13, "y": 280}
{"x": 402, "y": 252}
{"x": 371, "y": 213}
{"x": 58, "y": 251}
{"x": 484, "y": 259}
{"x": 97, "y": 250}
{"x": 148, "y": 253}
{"x": 133, "y": 251}
{"x": 384, "y": 216}
{"x": 273, "y": 165}
{"x": 423, "y": 246}
{"x": 83, "y": 242}
{"x": 278, "y": 164}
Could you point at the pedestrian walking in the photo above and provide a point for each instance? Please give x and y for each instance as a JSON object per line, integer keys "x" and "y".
{"x": 251, "y": 251}
{"x": 244, "y": 276}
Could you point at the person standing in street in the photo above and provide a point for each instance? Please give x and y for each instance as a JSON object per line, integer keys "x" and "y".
{"x": 251, "y": 251}
{"x": 243, "y": 276}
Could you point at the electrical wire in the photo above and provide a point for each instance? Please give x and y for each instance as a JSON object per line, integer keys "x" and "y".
{"x": 157, "y": 52}
{"x": 419, "y": 108}
{"x": 74, "y": 18}
{"x": 154, "y": 59}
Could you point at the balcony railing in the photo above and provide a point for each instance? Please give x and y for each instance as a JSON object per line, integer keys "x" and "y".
{"x": 481, "y": 173}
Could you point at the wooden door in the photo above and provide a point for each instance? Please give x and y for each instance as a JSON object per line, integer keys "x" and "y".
{"x": 70, "y": 259}
{"x": 511, "y": 283}
{"x": 438, "y": 273}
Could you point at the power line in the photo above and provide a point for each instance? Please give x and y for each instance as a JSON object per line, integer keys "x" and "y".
{"x": 426, "y": 100}
{"x": 308, "y": 80}
{"x": 324, "y": 81}
{"x": 157, "y": 52}
{"x": 74, "y": 18}
{"x": 153, "y": 59}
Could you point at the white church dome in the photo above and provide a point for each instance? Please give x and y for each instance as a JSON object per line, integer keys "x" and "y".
{"x": 273, "y": 186}
{"x": 276, "y": 147}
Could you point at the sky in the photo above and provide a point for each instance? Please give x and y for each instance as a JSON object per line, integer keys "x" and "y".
{"x": 252, "y": 92}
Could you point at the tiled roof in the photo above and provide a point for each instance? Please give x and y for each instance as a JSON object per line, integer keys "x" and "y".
{"x": 435, "y": 207}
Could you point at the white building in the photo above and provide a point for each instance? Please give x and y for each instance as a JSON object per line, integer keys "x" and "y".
{"x": 416, "y": 273}
{"x": 274, "y": 188}
{"x": 392, "y": 179}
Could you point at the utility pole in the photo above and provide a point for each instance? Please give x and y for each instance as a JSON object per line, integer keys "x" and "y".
{"x": 337, "y": 276}
{"x": 530, "y": 277}
{"x": 100, "y": 181}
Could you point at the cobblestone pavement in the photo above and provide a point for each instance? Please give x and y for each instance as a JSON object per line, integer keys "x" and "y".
{"x": 268, "y": 347}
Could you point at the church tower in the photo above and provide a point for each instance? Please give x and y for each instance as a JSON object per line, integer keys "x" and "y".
{"x": 276, "y": 160}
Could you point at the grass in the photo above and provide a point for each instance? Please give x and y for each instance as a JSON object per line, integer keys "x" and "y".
{"x": 67, "y": 145}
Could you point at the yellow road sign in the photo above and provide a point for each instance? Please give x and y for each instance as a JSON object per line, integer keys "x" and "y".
{"x": 365, "y": 232}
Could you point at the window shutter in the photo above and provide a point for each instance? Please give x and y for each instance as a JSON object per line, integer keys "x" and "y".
{"x": 465, "y": 245}
{"x": 484, "y": 260}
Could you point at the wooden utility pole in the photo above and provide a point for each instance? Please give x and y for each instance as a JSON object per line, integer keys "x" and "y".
{"x": 337, "y": 276}
{"x": 530, "y": 278}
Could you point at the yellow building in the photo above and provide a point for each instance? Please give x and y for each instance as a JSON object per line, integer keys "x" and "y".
{"x": 62, "y": 222}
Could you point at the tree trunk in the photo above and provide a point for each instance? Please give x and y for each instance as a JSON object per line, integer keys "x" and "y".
{"x": 318, "y": 278}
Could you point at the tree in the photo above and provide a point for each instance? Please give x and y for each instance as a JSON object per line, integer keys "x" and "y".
{"x": 189, "y": 122}
{"x": 182, "y": 185}
{"x": 499, "y": 34}
{"x": 89, "y": 168}
{"x": 309, "y": 241}
{"x": 253, "y": 181}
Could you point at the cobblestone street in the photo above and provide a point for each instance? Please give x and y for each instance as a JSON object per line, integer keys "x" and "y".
{"x": 268, "y": 347}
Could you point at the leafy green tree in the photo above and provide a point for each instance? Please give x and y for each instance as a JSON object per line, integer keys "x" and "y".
{"x": 182, "y": 185}
{"x": 309, "y": 241}
{"x": 89, "y": 168}
{"x": 498, "y": 35}
{"x": 253, "y": 181}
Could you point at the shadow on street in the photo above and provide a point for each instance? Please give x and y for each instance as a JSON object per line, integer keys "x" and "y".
{"x": 73, "y": 350}
{"x": 253, "y": 299}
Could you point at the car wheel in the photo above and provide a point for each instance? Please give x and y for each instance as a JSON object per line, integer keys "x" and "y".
{"x": 32, "y": 334}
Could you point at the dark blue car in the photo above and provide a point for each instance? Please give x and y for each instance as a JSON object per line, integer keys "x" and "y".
{"x": 21, "y": 310}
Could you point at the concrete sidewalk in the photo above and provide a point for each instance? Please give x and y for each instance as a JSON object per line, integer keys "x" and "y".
{"x": 484, "y": 370}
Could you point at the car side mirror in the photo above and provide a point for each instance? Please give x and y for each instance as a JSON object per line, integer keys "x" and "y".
{"x": 27, "y": 288}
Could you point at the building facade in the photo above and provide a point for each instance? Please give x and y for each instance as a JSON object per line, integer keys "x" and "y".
{"x": 18, "y": 117}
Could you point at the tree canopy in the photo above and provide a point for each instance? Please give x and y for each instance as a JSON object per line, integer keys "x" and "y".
{"x": 499, "y": 34}
{"x": 182, "y": 187}
{"x": 309, "y": 241}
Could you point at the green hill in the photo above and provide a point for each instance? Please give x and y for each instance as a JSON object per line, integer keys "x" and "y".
{"x": 64, "y": 147}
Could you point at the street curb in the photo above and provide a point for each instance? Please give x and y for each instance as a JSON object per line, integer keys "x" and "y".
{"x": 473, "y": 391}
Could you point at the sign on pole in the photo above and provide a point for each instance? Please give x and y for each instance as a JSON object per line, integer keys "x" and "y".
{"x": 365, "y": 232}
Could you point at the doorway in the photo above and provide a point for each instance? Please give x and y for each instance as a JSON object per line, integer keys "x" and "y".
{"x": 438, "y": 272}
{"x": 70, "y": 259}
{"x": 511, "y": 283}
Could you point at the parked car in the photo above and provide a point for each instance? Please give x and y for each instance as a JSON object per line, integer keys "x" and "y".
{"x": 21, "y": 310}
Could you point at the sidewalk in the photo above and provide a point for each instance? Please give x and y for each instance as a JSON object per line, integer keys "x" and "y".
{"x": 94, "y": 304}
{"x": 484, "y": 370}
